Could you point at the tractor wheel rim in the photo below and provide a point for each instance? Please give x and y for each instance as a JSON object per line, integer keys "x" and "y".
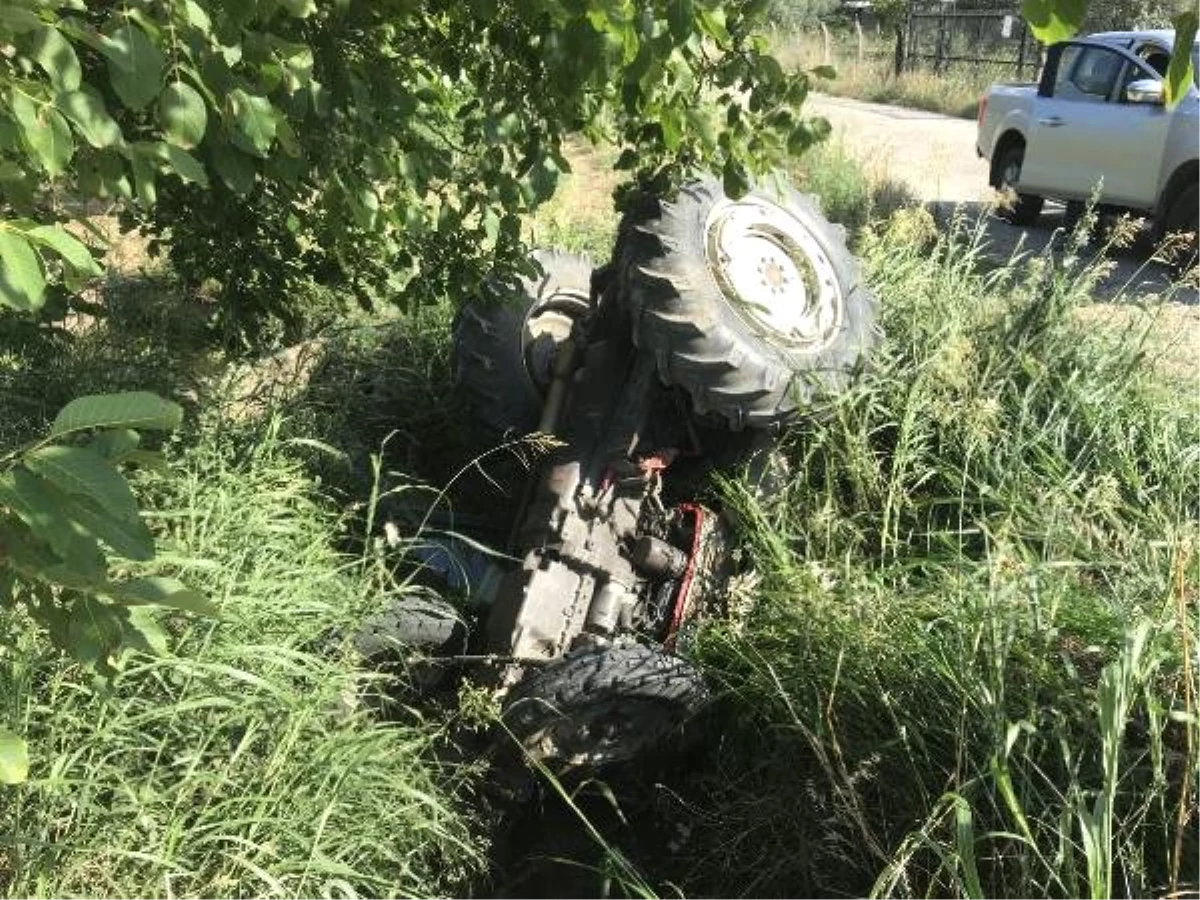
{"x": 549, "y": 324}
{"x": 775, "y": 273}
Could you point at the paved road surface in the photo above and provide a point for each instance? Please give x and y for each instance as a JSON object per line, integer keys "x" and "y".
{"x": 933, "y": 156}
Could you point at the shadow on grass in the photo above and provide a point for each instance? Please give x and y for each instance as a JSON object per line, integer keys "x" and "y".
{"x": 145, "y": 335}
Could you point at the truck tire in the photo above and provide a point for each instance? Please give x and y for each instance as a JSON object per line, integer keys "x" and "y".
{"x": 1182, "y": 218}
{"x": 503, "y": 347}
{"x": 1007, "y": 172}
{"x": 602, "y": 705}
{"x": 754, "y": 307}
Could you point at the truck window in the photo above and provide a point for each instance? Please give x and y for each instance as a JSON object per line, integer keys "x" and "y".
{"x": 1134, "y": 72}
{"x": 1156, "y": 59}
{"x": 1066, "y": 65}
{"x": 1088, "y": 74}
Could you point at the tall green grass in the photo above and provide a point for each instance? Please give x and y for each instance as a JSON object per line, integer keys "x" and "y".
{"x": 969, "y": 667}
{"x": 243, "y": 765}
{"x": 872, "y": 76}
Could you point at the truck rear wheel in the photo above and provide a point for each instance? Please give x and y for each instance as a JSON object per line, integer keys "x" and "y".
{"x": 1025, "y": 208}
{"x": 1182, "y": 219}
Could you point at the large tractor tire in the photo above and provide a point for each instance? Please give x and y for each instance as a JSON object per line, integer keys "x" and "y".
{"x": 602, "y": 705}
{"x": 504, "y": 346}
{"x": 754, "y": 307}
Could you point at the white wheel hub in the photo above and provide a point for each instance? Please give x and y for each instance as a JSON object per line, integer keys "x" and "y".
{"x": 548, "y": 325}
{"x": 774, "y": 272}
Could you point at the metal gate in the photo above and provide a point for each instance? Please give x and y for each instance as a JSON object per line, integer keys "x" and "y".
{"x": 942, "y": 38}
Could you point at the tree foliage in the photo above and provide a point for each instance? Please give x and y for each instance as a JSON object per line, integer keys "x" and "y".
{"x": 800, "y": 13}
{"x": 384, "y": 147}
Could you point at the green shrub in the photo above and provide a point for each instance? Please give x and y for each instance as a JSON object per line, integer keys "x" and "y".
{"x": 968, "y": 668}
{"x": 241, "y": 766}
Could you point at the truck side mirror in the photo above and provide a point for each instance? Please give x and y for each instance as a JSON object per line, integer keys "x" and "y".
{"x": 1145, "y": 90}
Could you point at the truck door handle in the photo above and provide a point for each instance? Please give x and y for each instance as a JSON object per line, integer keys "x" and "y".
{"x": 1051, "y": 121}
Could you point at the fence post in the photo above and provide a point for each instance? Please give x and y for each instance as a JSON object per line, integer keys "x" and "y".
{"x": 939, "y": 61}
{"x": 824, "y": 43}
{"x": 859, "y": 31}
{"x": 898, "y": 66}
{"x": 1021, "y": 52}
{"x": 910, "y": 45}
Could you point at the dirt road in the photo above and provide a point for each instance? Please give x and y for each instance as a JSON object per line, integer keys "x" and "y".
{"x": 933, "y": 157}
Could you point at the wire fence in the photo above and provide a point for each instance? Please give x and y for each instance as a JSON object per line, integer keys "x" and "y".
{"x": 943, "y": 38}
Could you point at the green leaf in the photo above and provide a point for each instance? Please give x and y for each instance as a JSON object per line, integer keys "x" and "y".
{"x": 41, "y": 507}
{"x": 142, "y": 162}
{"x": 701, "y": 122}
{"x": 94, "y": 632}
{"x": 45, "y": 132}
{"x": 236, "y": 170}
{"x": 680, "y": 18}
{"x": 26, "y": 552}
{"x": 86, "y": 110}
{"x": 142, "y": 631}
{"x": 129, "y": 538}
{"x": 54, "y": 53}
{"x": 1052, "y": 21}
{"x": 73, "y": 251}
{"x": 186, "y": 166}
{"x": 182, "y": 114}
{"x": 1180, "y": 76}
{"x": 19, "y": 21}
{"x": 83, "y": 472}
{"x": 196, "y": 16}
{"x": 22, "y": 284}
{"x": 734, "y": 179}
{"x": 672, "y": 128}
{"x": 14, "y": 758}
{"x": 116, "y": 443}
{"x": 255, "y": 118}
{"x": 301, "y": 9}
{"x": 712, "y": 22}
{"x": 364, "y": 205}
{"x": 162, "y": 592}
{"x": 133, "y": 409}
{"x": 543, "y": 178}
{"x": 135, "y": 65}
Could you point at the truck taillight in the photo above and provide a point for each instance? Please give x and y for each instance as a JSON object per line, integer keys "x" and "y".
{"x": 982, "y": 110}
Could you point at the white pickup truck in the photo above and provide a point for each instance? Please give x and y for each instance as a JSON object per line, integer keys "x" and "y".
{"x": 1096, "y": 122}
